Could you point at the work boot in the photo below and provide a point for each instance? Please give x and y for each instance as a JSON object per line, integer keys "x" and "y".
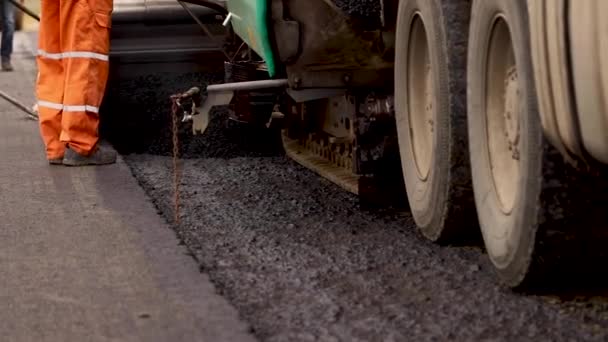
{"x": 56, "y": 161}
{"x": 6, "y": 64}
{"x": 101, "y": 156}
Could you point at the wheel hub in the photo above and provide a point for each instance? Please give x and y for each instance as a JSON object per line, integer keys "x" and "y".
{"x": 502, "y": 113}
{"x": 428, "y": 95}
{"x": 510, "y": 113}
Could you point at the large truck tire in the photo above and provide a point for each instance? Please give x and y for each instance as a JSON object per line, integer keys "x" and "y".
{"x": 550, "y": 57}
{"x": 589, "y": 51}
{"x": 430, "y": 92}
{"x": 505, "y": 136}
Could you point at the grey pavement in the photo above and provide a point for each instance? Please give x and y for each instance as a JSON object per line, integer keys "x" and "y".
{"x": 84, "y": 255}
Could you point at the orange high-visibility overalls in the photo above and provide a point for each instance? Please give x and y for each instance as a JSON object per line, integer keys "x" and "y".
{"x": 73, "y": 48}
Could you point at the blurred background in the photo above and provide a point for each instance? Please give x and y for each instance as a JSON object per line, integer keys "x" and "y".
{"x": 25, "y": 22}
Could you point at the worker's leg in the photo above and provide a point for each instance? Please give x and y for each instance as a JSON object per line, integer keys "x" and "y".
{"x": 49, "y": 85}
{"x": 85, "y": 41}
{"x": 8, "y": 31}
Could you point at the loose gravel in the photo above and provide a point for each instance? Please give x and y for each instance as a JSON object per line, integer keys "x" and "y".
{"x": 360, "y": 8}
{"x": 303, "y": 261}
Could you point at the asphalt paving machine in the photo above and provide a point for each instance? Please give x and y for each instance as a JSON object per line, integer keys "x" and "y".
{"x": 464, "y": 99}
{"x": 467, "y": 101}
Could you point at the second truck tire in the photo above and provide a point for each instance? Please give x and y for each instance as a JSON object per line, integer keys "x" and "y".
{"x": 430, "y": 92}
{"x": 505, "y": 136}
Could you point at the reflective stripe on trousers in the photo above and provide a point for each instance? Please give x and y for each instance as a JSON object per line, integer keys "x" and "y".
{"x": 74, "y": 39}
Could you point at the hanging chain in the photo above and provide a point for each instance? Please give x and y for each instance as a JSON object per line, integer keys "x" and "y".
{"x": 193, "y": 94}
{"x": 174, "y": 108}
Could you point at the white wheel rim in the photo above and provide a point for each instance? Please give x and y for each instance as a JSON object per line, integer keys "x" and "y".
{"x": 503, "y": 118}
{"x": 420, "y": 99}
{"x": 502, "y": 113}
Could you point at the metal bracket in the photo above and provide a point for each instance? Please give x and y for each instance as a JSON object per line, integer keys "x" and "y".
{"x": 200, "y": 121}
{"x": 222, "y": 94}
{"x": 306, "y": 95}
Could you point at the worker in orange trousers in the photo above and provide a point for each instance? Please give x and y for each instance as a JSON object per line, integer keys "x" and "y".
{"x": 73, "y": 65}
